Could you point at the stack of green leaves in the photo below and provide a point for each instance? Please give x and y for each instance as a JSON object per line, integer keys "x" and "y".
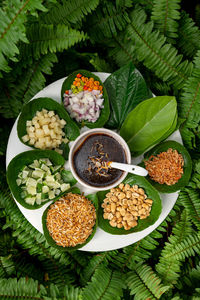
{"x": 152, "y": 121}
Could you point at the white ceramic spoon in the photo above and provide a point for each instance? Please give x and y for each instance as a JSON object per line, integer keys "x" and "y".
{"x": 129, "y": 168}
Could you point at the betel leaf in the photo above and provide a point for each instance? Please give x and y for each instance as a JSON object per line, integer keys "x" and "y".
{"x": 94, "y": 199}
{"x": 162, "y": 138}
{"x": 187, "y": 168}
{"x": 68, "y": 177}
{"x": 148, "y": 123}
{"x": 105, "y": 111}
{"x": 30, "y": 109}
{"x": 151, "y": 193}
{"x": 24, "y": 159}
{"x": 126, "y": 89}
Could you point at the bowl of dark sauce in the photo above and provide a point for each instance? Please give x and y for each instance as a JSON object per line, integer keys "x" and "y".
{"x": 90, "y": 154}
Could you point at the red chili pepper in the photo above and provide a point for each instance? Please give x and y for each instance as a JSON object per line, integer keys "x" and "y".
{"x": 79, "y": 75}
{"x": 85, "y": 87}
{"x": 67, "y": 92}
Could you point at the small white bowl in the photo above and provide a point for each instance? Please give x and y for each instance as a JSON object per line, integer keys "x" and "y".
{"x": 81, "y": 139}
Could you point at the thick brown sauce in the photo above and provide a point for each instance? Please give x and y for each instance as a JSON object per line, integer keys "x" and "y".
{"x": 98, "y": 148}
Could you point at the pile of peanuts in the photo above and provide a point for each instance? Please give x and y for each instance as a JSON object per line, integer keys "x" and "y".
{"x": 124, "y": 205}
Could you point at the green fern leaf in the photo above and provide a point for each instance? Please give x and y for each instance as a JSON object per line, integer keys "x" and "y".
{"x": 106, "y": 21}
{"x": 189, "y": 106}
{"x": 188, "y": 36}
{"x": 12, "y": 29}
{"x": 190, "y": 246}
{"x": 30, "y": 80}
{"x": 48, "y": 38}
{"x": 145, "y": 284}
{"x": 7, "y": 267}
{"x": 189, "y": 103}
{"x": 169, "y": 270}
{"x": 121, "y": 49}
{"x": 69, "y": 12}
{"x": 23, "y": 288}
{"x": 166, "y": 15}
{"x": 105, "y": 285}
{"x": 190, "y": 199}
{"x": 150, "y": 48}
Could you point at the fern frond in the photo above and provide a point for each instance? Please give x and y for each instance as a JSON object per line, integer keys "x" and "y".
{"x": 190, "y": 199}
{"x": 69, "y": 12}
{"x": 190, "y": 246}
{"x": 189, "y": 103}
{"x": 156, "y": 55}
{"x": 145, "y": 284}
{"x": 106, "y": 21}
{"x": 48, "y": 38}
{"x": 7, "y": 266}
{"x": 166, "y": 15}
{"x": 169, "y": 270}
{"x": 13, "y": 15}
{"x": 188, "y": 36}
{"x": 72, "y": 293}
{"x": 23, "y": 288}
{"x": 105, "y": 285}
{"x": 27, "y": 84}
{"x": 121, "y": 49}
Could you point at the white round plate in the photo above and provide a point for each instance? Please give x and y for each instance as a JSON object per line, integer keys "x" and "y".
{"x": 102, "y": 241}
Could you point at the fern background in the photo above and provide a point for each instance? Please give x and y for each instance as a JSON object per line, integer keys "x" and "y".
{"x": 42, "y": 41}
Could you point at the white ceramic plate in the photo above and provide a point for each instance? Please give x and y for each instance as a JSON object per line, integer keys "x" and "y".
{"x": 102, "y": 241}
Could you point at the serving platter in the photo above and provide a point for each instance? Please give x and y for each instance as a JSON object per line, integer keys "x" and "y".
{"x": 102, "y": 241}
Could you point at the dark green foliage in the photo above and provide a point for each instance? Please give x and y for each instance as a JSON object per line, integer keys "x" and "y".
{"x": 105, "y": 284}
{"x": 42, "y": 41}
{"x": 151, "y": 49}
{"x": 144, "y": 283}
{"x": 69, "y": 12}
{"x": 166, "y": 15}
{"x": 188, "y": 36}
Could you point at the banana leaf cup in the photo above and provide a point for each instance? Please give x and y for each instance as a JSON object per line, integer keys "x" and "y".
{"x": 94, "y": 200}
{"x": 105, "y": 111}
{"x": 151, "y": 193}
{"x": 187, "y": 167}
{"x": 29, "y": 110}
{"x": 26, "y": 158}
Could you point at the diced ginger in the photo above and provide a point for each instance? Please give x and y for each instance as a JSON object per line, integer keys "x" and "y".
{"x": 32, "y": 141}
{"x": 46, "y": 129}
{"x": 25, "y": 138}
{"x": 63, "y": 122}
{"x": 32, "y": 135}
{"x": 28, "y": 123}
{"x": 51, "y": 113}
{"x": 39, "y": 132}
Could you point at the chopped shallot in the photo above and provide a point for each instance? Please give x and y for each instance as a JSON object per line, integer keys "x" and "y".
{"x": 84, "y": 105}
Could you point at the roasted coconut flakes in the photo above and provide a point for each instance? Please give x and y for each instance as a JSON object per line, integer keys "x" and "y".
{"x": 70, "y": 220}
{"x": 166, "y": 167}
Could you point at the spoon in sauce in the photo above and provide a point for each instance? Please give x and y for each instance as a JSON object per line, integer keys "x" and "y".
{"x": 128, "y": 168}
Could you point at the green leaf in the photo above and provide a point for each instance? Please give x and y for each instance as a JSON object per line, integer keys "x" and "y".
{"x": 145, "y": 284}
{"x": 30, "y": 109}
{"x": 68, "y": 177}
{"x": 69, "y": 12}
{"x": 23, "y": 159}
{"x": 158, "y": 56}
{"x": 142, "y": 224}
{"x": 166, "y": 15}
{"x": 187, "y": 168}
{"x": 148, "y": 123}
{"x": 45, "y": 39}
{"x": 13, "y": 16}
{"x": 105, "y": 285}
{"x": 94, "y": 199}
{"x": 105, "y": 111}
{"x": 126, "y": 88}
